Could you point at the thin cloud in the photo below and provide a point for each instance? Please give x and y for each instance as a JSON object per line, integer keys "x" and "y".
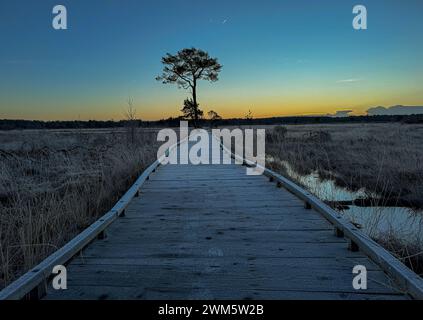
{"x": 349, "y": 80}
{"x": 219, "y": 21}
{"x": 340, "y": 114}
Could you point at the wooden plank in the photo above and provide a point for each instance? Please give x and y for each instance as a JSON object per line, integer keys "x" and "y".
{"x": 265, "y": 277}
{"x": 224, "y": 235}
{"x": 328, "y": 263}
{"x": 188, "y": 247}
{"x": 246, "y": 203}
{"x": 119, "y": 293}
{"x": 240, "y": 225}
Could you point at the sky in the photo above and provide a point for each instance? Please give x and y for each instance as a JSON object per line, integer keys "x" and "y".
{"x": 279, "y": 57}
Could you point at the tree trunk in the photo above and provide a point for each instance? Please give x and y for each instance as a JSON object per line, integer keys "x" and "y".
{"x": 194, "y": 99}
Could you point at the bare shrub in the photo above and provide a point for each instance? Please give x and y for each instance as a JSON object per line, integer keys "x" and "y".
{"x": 131, "y": 118}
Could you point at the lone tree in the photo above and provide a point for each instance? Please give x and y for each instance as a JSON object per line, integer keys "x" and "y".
{"x": 185, "y": 69}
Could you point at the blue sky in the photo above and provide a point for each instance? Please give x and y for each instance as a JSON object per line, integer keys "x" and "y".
{"x": 279, "y": 57}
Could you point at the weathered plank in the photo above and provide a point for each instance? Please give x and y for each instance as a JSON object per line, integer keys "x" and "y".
{"x": 122, "y": 292}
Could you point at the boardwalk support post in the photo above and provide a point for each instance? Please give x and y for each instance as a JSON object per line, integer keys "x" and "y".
{"x": 102, "y": 235}
{"x": 353, "y": 246}
{"x": 307, "y": 205}
{"x": 338, "y": 232}
{"x": 38, "y": 292}
{"x": 279, "y": 184}
{"x": 122, "y": 214}
{"x": 271, "y": 179}
{"x": 137, "y": 194}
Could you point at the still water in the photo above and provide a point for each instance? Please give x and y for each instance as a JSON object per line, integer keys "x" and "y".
{"x": 405, "y": 223}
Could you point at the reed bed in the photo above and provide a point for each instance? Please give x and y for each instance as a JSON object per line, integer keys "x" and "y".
{"x": 53, "y": 184}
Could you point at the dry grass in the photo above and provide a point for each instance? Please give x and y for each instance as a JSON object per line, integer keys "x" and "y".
{"x": 410, "y": 253}
{"x": 53, "y": 184}
{"x": 385, "y": 159}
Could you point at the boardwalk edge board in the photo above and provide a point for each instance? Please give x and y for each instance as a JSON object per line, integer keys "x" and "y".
{"x": 35, "y": 279}
{"x": 408, "y": 281}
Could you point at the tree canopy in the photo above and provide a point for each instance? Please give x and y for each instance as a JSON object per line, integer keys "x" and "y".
{"x": 185, "y": 69}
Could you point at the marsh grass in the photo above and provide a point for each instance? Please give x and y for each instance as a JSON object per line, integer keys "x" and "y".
{"x": 384, "y": 159}
{"x": 53, "y": 184}
{"x": 409, "y": 252}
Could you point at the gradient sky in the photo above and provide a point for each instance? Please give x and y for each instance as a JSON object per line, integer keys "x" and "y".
{"x": 279, "y": 57}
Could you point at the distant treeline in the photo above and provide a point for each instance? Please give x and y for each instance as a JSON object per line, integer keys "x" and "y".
{"x": 173, "y": 122}
{"x": 90, "y": 124}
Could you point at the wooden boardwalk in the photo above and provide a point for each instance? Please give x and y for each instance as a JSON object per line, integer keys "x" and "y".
{"x": 212, "y": 232}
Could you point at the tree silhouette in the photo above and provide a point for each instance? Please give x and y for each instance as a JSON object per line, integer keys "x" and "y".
{"x": 191, "y": 111}
{"x": 131, "y": 117}
{"x": 249, "y": 116}
{"x": 185, "y": 69}
{"x": 214, "y": 117}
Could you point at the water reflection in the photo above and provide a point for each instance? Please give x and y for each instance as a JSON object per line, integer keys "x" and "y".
{"x": 403, "y": 222}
